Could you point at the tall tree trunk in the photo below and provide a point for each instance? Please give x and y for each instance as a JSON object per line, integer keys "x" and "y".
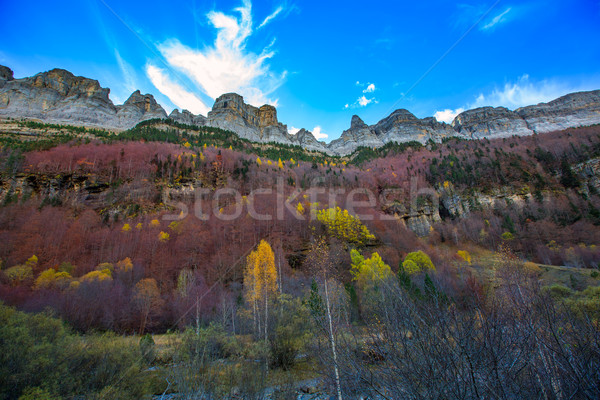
{"x": 332, "y": 343}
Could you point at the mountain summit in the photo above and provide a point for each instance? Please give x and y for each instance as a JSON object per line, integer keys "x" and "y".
{"x": 58, "y": 96}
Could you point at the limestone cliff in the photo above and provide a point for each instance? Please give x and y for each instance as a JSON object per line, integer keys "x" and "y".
{"x": 230, "y": 112}
{"x": 570, "y": 111}
{"x": 186, "y": 117}
{"x": 490, "y": 122}
{"x": 58, "y": 96}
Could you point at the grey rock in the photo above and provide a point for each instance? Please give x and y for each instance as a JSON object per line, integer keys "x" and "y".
{"x": 307, "y": 140}
{"x": 402, "y": 126}
{"x": 138, "y": 107}
{"x": 6, "y": 74}
{"x": 58, "y": 96}
{"x": 359, "y": 134}
{"x": 186, "y": 117}
{"x": 490, "y": 122}
{"x": 569, "y": 111}
{"x": 230, "y": 112}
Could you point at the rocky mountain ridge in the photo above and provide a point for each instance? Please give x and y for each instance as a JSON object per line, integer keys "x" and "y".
{"x": 58, "y": 96}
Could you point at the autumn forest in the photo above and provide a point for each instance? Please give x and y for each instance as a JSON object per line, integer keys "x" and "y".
{"x": 176, "y": 261}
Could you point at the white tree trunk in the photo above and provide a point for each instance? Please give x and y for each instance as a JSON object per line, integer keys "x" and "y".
{"x": 332, "y": 343}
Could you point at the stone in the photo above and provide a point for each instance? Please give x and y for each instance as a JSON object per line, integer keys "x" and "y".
{"x": 58, "y": 96}
{"x": 359, "y": 134}
{"x": 187, "y": 118}
{"x": 569, "y": 111}
{"x": 490, "y": 122}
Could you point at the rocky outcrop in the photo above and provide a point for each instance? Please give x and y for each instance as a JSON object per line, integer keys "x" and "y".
{"x": 186, "y": 117}
{"x": 6, "y": 74}
{"x": 58, "y": 96}
{"x": 359, "y": 134}
{"x": 490, "y": 122}
{"x": 230, "y": 112}
{"x": 307, "y": 140}
{"x": 400, "y": 126}
{"x": 139, "y": 107}
{"x": 570, "y": 111}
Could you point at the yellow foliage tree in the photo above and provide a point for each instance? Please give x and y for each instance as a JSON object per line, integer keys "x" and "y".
{"x": 125, "y": 265}
{"x": 260, "y": 282}
{"x": 345, "y": 226}
{"x": 126, "y": 228}
{"x": 280, "y": 164}
{"x": 417, "y": 261}
{"x": 19, "y": 274}
{"x": 139, "y": 226}
{"x": 50, "y": 278}
{"x": 369, "y": 272}
{"x": 465, "y": 255}
{"x": 258, "y": 161}
{"x": 155, "y": 223}
{"x": 97, "y": 276}
{"x": 164, "y": 236}
{"x": 300, "y": 209}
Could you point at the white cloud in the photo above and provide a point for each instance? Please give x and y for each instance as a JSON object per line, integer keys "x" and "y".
{"x": 292, "y": 130}
{"x": 318, "y": 134}
{"x": 496, "y": 20}
{"x": 271, "y": 17}
{"x": 447, "y": 115}
{"x": 177, "y": 94}
{"x": 363, "y": 101}
{"x": 525, "y": 92}
{"x": 227, "y": 65}
{"x": 370, "y": 88}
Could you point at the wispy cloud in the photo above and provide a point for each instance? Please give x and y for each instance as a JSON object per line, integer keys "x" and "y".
{"x": 447, "y": 115}
{"x": 129, "y": 80}
{"x": 520, "y": 93}
{"x": 498, "y": 19}
{"x": 227, "y": 65}
{"x": 175, "y": 92}
{"x": 525, "y": 92}
{"x": 271, "y": 17}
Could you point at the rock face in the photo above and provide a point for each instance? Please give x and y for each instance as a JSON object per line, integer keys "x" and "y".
{"x": 186, "y": 117}
{"x": 400, "y": 126}
{"x": 6, "y": 74}
{"x": 58, "y": 96}
{"x": 230, "y": 112}
{"x": 490, "y": 122}
{"x": 359, "y": 134}
{"x": 569, "y": 111}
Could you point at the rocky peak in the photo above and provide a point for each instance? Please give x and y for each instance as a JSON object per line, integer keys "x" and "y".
{"x": 571, "y": 110}
{"x": 68, "y": 85}
{"x": 145, "y": 102}
{"x": 6, "y": 73}
{"x": 490, "y": 122}
{"x": 186, "y": 117}
{"x": 357, "y": 123}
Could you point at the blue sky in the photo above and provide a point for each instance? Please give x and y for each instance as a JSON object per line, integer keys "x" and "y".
{"x": 320, "y": 62}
